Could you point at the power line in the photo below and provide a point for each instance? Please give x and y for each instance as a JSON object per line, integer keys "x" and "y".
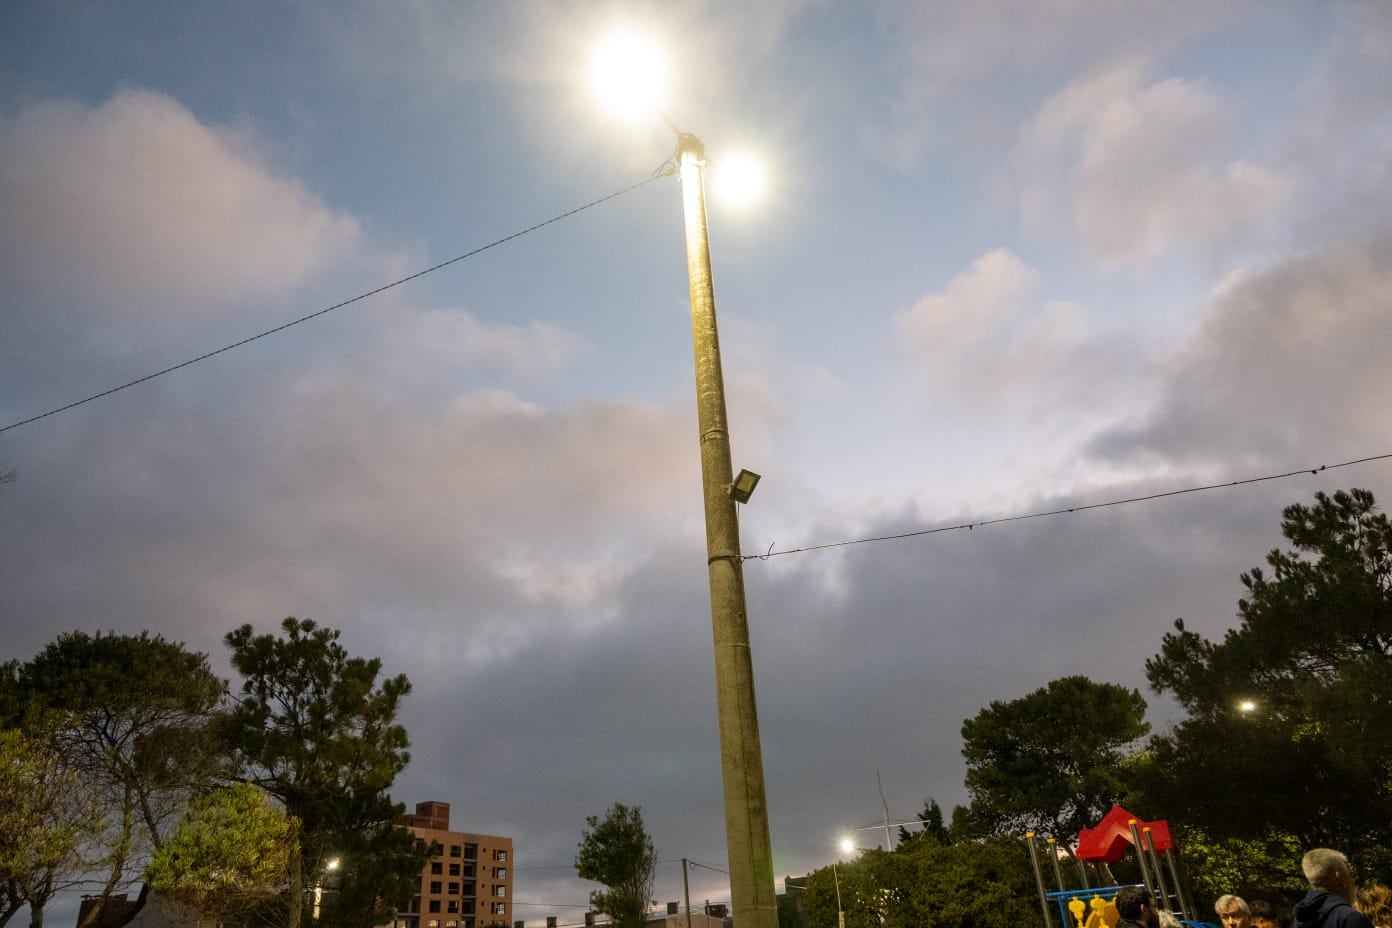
{"x": 770, "y": 553}
{"x": 329, "y": 309}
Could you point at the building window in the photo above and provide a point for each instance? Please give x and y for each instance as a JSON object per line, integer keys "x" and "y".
{"x": 500, "y": 890}
{"x": 454, "y": 869}
{"x": 454, "y": 850}
{"x": 453, "y": 906}
{"x": 454, "y": 889}
{"x": 500, "y": 855}
{"x": 468, "y": 908}
{"x": 470, "y": 851}
{"x": 500, "y": 908}
{"x": 435, "y": 907}
{"x": 434, "y": 923}
{"x": 469, "y": 889}
{"x": 468, "y": 923}
{"x": 500, "y": 873}
{"x": 435, "y": 887}
{"x": 415, "y": 904}
{"x": 469, "y": 870}
{"x": 437, "y": 868}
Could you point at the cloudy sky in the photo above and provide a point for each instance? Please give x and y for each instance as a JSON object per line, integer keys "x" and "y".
{"x": 1013, "y": 256}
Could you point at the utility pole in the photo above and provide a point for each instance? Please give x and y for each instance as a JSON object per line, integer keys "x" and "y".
{"x": 686, "y": 892}
{"x": 742, "y": 765}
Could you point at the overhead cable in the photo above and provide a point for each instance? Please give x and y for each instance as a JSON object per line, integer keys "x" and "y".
{"x": 969, "y": 526}
{"x": 328, "y": 309}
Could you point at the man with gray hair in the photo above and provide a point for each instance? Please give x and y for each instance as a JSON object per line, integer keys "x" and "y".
{"x": 1327, "y": 905}
{"x": 1233, "y": 912}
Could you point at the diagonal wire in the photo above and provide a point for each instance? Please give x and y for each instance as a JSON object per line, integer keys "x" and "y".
{"x": 329, "y": 309}
{"x": 1064, "y": 511}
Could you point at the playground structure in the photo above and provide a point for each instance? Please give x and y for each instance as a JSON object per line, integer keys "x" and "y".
{"x": 1088, "y": 906}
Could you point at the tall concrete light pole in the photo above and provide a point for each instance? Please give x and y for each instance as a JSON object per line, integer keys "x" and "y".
{"x": 742, "y": 764}
{"x": 627, "y": 76}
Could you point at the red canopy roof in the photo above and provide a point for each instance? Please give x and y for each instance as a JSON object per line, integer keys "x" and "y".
{"x": 1108, "y": 841}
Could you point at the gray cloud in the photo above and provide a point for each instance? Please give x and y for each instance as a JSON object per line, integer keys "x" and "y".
{"x": 536, "y": 566}
{"x": 1282, "y": 367}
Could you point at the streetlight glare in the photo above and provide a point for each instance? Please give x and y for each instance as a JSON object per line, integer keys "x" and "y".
{"x": 739, "y": 179}
{"x": 628, "y": 75}
{"x": 1246, "y": 706}
{"x": 847, "y": 846}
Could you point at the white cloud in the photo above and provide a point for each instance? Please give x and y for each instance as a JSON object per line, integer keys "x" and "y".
{"x": 992, "y": 335}
{"x": 1139, "y": 168}
{"x": 456, "y": 337}
{"x": 762, "y": 383}
{"x": 139, "y": 207}
{"x": 1015, "y": 378}
{"x": 994, "y": 289}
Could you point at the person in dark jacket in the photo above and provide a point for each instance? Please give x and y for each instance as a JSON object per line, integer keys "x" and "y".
{"x": 1331, "y": 887}
{"x": 1136, "y": 908}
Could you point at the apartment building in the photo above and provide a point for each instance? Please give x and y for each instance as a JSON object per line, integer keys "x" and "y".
{"x": 468, "y": 884}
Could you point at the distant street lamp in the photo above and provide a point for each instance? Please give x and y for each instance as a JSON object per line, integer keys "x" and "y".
{"x": 625, "y": 67}
{"x": 329, "y": 867}
{"x": 847, "y": 846}
{"x": 1247, "y": 707}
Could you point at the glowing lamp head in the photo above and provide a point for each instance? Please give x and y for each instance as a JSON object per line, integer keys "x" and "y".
{"x": 627, "y": 75}
{"x": 1246, "y": 706}
{"x": 847, "y": 846}
{"x": 739, "y": 179}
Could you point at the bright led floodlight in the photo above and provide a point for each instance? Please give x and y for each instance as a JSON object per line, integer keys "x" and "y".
{"x": 739, "y": 179}
{"x": 628, "y": 75}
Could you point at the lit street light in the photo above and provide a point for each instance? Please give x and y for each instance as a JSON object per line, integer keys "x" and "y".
{"x": 623, "y": 67}
{"x": 848, "y": 846}
{"x": 330, "y": 867}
